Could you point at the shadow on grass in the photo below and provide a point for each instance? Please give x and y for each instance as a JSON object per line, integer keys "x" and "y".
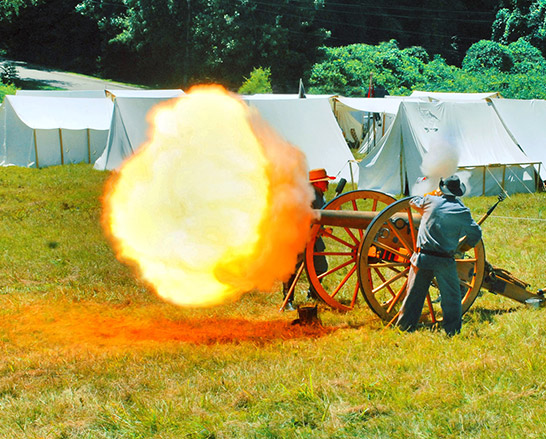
{"x": 485, "y": 315}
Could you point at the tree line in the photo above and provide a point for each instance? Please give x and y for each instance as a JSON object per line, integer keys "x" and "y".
{"x": 334, "y": 45}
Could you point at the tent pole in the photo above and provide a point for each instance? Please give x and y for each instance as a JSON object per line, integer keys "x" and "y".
{"x": 61, "y": 142}
{"x": 88, "y": 147}
{"x": 401, "y": 167}
{"x": 368, "y": 132}
{"x": 373, "y": 127}
{"x": 483, "y": 189}
{"x": 36, "y": 149}
{"x": 503, "y": 176}
{"x": 383, "y": 127}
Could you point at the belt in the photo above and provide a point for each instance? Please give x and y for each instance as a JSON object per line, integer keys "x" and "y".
{"x": 435, "y": 253}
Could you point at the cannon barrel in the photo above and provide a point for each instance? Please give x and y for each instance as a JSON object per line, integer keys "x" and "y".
{"x": 357, "y": 219}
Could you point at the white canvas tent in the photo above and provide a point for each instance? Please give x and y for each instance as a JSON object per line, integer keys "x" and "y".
{"x": 364, "y": 121}
{"x": 526, "y": 122}
{"x": 39, "y": 131}
{"x": 489, "y": 159}
{"x": 128, "y": 130}
{"x": 310, "y": 125}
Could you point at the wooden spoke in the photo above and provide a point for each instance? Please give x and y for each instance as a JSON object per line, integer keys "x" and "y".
{"x": 352, "y": 235}
{"x": 431, "y": 309}
{"x": 389, "y": 289}
{"x": 344, "y": 281}
{"x": 390, "y": 281}
{"x": 401, "y": 294}
{"x": 338, "y": 239}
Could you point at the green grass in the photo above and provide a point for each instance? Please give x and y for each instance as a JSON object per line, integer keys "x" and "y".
{"x": 87, "y": 351}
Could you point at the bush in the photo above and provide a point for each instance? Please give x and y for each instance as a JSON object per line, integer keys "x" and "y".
{"x": 258, "y": 83}
{"x": 516, "y": 70}
{"x": 346, "y": 70}
{"x": 6, "y": 90}
{"x": 527, "y": 58}
{"x": 485, "y": 55}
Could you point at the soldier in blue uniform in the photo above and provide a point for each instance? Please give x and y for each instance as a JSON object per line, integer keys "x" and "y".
{"x": 445, "y": 221}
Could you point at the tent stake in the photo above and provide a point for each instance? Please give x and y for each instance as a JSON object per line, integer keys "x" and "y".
{"x": 88, "y": 147}
{"x": 61, "y": 142}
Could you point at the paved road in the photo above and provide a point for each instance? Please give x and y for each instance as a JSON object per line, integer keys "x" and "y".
{"x": 35, "y": 77}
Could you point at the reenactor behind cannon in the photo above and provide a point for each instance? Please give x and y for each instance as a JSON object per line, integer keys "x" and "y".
{"x": 446, "y": 228}
{"x": 319, "y": 180}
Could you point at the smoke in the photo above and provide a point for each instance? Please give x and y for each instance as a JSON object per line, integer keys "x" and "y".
{"x": 216, "y": 204}
{"x": 440, "y": 161}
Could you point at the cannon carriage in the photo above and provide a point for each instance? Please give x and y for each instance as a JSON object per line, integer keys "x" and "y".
{"x": 369, "y": 238}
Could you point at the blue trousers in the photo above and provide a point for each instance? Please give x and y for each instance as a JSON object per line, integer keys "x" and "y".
{"x": 419, "y": 280}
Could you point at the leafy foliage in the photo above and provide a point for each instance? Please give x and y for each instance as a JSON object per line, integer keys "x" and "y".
{"x": 6, "y": 90}
{"x": 8, "y": 73}
{"x": 181, "y": 43}
{"x": 515, "y": 70}
{"x": 521, "y": 19}
{"x": 258, "y": 82}
{"x": 346, "y": 69}
{"x": 488, "y": 55}
{"x": 517, "y": 57}
{"x": 177, "y": 44}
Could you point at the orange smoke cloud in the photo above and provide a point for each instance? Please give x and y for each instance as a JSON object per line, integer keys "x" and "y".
{"x": 214, "y": 205}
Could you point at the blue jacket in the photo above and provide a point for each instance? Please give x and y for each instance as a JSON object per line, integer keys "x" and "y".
{"x": 445, "y": 220}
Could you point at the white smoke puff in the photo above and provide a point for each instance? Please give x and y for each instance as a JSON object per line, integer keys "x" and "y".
{"x": 440, "y": 161}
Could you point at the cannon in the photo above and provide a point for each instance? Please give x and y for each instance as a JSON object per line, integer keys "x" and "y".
{"x": 369, "y": 238}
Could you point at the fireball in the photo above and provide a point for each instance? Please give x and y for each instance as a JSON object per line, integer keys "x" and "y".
{"x": 215, "y": 204}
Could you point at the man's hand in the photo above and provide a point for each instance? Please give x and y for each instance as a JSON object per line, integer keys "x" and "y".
{"x": 436, "y": 193}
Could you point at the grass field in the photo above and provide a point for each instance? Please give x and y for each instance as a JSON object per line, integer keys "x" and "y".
{"x": 89, "y": 352}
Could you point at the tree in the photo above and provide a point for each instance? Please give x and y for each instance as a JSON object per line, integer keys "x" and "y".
{"x": 521, "y": 19}
{"x": 181, "y": 43}
{"x": 346, "y": 69}
{"x": 487, "y": 54}
{"x": 445, "y": 27}
{"x": 527, "y": 58}
{"x": 231, "y": 37}
{"x": 519, "y": 57}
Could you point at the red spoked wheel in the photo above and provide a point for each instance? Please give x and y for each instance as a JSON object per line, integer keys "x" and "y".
{"x": 384, "y": 263}
{"x": 337, "y": 284}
